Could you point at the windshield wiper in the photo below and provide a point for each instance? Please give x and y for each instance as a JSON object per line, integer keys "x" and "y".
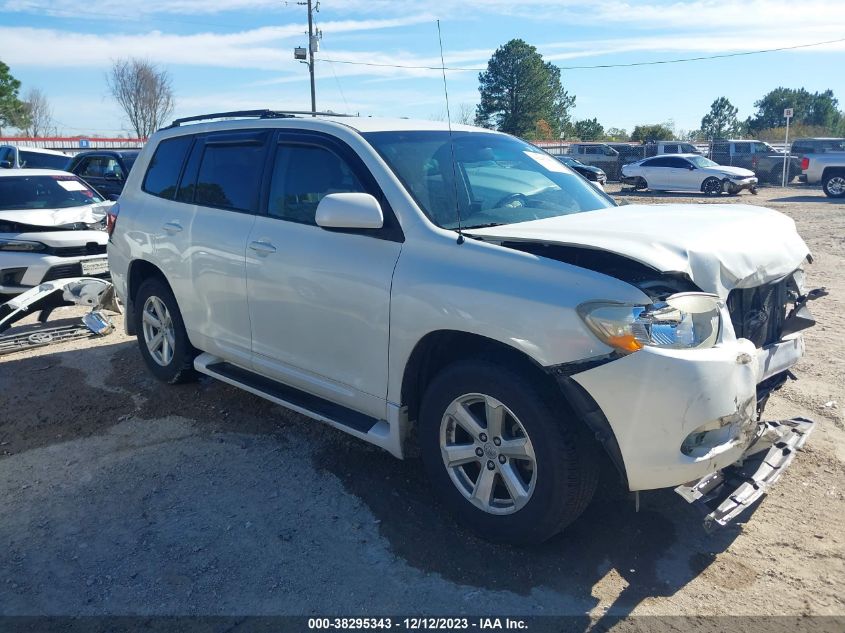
{"x": 484, "y": 226}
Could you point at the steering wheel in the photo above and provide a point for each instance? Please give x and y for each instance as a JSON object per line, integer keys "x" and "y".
{"x": 511, "y": 199}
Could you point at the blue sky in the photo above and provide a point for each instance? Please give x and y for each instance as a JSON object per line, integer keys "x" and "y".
{"x": 237, "y": 54}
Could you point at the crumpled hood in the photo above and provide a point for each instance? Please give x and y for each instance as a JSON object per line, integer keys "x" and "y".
{"x": 736, "y": 171}
{"x": 720, "y": 246}
{"x": 89, "y": 214}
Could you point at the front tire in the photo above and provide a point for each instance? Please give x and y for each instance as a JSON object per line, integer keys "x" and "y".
{"x": 162, "y": 338}
{"x": 505, "y": 457}
{"x": 833, "y": 185}
{"x": 711, "y": 186}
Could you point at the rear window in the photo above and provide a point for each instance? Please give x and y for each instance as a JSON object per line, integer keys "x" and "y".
{"x": 44, "y": 192}
{"x": 166, "y": 166}
{"x": 37, "y": 160}
{"x": 230, "y": 176}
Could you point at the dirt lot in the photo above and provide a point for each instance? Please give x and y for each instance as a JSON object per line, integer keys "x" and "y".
{"x": 122, "y": 496}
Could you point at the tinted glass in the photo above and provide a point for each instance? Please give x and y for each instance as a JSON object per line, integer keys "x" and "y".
{"x": 166, "y": 165}
{"x": 45, "y": 192}
{"x": 302, "y": 176}
{"x": 500, "y": 179}
{"x": 230, "y": 176}
{"x": 34, "y": 160}
{"x": 100, "y": 167}
{"x": 742, "y": 148}
{"x": 661, "y": 161}
{"x": 677, "y": 163}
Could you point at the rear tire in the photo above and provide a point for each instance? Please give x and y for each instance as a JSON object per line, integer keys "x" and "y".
{"x": 553, "y": 472}
{"x": 161, "y": 333}
{"x": 833, "y": 184}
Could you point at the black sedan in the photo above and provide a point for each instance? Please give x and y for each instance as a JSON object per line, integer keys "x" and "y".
{"x": 593, "y": 174}
{"x": 105, "y": 170}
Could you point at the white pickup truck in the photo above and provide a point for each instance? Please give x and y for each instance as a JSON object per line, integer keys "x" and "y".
{"x": 827, "y": 169}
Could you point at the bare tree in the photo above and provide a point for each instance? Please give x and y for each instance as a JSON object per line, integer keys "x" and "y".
{"x": 39, "y": 114}
{"x": 144, "y": 91}
{"x": 466, "y": 114}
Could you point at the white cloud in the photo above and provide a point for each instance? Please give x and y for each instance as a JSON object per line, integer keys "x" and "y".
{"x": 647, "y": 14}
{"x": 255, "y": 48}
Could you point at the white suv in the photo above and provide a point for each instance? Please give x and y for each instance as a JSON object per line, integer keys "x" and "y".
{"x": 471, "y": 294}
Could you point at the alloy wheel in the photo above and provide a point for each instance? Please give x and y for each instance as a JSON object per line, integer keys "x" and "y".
{"x": 836, "y": 185}
{"x": 159, "y": 334}
{"x": 488, "y": 454}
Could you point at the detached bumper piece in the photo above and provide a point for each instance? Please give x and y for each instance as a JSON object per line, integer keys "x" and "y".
{"x": 723, "y": 495}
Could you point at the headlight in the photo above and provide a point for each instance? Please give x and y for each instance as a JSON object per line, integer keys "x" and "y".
{"x": 687, "y": 320}
{"x": 735, "y": 177}
{"x": 21, "y": 246}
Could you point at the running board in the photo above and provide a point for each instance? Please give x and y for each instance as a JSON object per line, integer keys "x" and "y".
{"x": 387, "y": 435}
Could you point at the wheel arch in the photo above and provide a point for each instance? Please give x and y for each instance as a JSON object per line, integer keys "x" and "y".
{"x": 436, "y": 350}
{"x": 139, "y": 271}
{"x": 832, "y": 171}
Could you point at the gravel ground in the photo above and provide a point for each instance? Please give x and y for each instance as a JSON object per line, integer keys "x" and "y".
{"x": 123, "y": 496}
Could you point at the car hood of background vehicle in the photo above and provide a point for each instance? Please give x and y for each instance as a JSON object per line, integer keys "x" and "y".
{"x": 734, "y": 171}
{"x": 720, "y": 246}
{"x": 87, "y": 214}
{"x": 61, "y": 239}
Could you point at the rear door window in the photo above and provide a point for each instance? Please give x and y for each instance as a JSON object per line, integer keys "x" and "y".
{"x": 164, "y": 169}
{"x": 230, "y": 172}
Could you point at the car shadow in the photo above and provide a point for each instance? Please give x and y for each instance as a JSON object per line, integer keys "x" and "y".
{"x": 820, "y": 197}
{"x": 654, "y": 551}
{"x": 611, "y": 550}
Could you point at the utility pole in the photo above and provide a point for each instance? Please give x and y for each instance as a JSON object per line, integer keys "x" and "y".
{"x": 313, "y": 47}
{"x": 311, "y": 41}
{"x": 787, "y": 113}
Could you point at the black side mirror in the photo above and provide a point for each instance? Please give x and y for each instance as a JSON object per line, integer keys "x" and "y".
{"x": 691, "y": 167}
{"x": 6, "y": 164}
{"x": 114, "y": 197}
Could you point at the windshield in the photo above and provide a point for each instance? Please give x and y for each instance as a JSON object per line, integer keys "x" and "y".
{"x": 37, "y": 160}
{"x": 496, "y": 179}
{"x": 44, "y": 192}
{"x": 700, "y": 161}
{"x": 568, "y": 160}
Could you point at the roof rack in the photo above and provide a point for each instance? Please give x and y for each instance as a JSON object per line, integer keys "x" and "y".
{"x": 258, "y": 114}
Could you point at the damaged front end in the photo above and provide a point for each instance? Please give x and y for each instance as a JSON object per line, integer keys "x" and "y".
{"x": 724, "y": 494}
{"x": 97, "y": 294}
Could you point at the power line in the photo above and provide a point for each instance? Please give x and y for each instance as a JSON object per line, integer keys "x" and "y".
{"x": 595, "y": 66}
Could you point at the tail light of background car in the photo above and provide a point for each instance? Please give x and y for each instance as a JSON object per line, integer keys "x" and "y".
{"x": 805, "y": 163}
{"x": 111, "y": 218}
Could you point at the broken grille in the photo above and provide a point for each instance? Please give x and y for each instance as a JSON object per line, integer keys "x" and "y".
{"x": 758, "y": 313}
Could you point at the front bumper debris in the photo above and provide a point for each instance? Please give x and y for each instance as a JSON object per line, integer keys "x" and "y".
{"x": 724, "y": 494}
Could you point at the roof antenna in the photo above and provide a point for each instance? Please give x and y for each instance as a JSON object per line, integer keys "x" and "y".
{"x": 451, "y": 144}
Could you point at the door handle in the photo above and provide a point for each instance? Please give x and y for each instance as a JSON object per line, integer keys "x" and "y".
{"x": 172, "y": 227}
{"x": 262, "y": 247}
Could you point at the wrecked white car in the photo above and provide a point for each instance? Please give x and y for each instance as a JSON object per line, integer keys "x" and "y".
{"x": 52, "y": 226}
{"x": 467, "y": 292}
